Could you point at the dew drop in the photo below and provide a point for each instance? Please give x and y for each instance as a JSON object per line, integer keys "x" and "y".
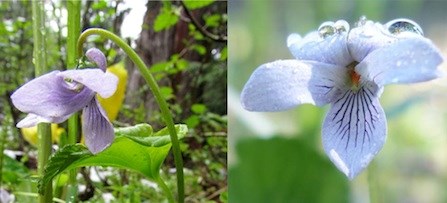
{"x": 341, "y": 26}
{"x": 326, "y": 29}
{"x": 401, "y": 25}
{"x": 362, "y": 21}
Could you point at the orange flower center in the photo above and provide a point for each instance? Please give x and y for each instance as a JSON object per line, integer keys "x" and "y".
{"x": 353, "y": 76}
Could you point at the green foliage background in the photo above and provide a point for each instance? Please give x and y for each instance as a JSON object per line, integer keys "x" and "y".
{"x": 264, "y": 148}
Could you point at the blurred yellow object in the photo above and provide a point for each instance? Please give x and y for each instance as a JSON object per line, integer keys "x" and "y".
{"x": 113, "y": 104}
{"x": 30, "y": 134}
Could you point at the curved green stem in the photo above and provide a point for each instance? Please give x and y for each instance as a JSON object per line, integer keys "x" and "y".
{"x": 166, "y": 114}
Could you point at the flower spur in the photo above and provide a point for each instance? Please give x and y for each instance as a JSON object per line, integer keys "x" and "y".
{"x": 55, "y": 96}
{"x": 346, "y": 68}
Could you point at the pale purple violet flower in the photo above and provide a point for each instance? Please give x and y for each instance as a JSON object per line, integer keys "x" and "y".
{"x": 348, "y": 69}
{"x": 55, "y": 96}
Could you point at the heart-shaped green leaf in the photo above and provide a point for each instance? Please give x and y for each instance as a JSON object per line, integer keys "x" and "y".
{"x": 135, "y": 148}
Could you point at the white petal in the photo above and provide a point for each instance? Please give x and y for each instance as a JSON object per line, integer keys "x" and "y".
{"x": 366, "y": 38}
{"x": 284, "y": 84}
{"x": 332, "y": 50}
{"x": 354, "y": 131}
{"x": 32, "y": 120}
{"x": 409, "y": 60}
{"x": 104, "y": 84}
{"x": 293, "y": 38}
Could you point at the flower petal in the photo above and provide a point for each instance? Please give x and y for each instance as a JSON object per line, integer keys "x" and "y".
{"x": 32, "y": 120}
{"x": 366, "y": 38}
{"x": 332, "y": 50}
{"x": 354, "y": 131}
{"x": 406, "y": 61}
{"x": 103, "y": 83}
{"x": 97, "y": 129}
{"x": 96, "y": 56}
{"x": 283, "y": 84}
{"x": 49, "y": 96}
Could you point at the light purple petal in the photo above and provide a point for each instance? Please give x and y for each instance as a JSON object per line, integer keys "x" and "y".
{"x": 354, "y": 130}
{"x": 366, "y": 38}
{"x": 408, "y": 60}
{"x": 104, "y": 84}
{"x": 50, "y": 96}
{"x": 312, "y": 47}
{"x": 32, "y": 120}
{"x": 96, "y": 56}
{"x": 284, "y": 84}
{"x": 97, "y": 129}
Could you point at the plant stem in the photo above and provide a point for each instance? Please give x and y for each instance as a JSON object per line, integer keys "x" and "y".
{"x": 2, "y": 147}
{"x": 74, "y": 30}
{"x": 165, "y": 112}
{"x": 373, "y": 183}
{"x": 43, "y": 129}
{"x": 165, "y": 188}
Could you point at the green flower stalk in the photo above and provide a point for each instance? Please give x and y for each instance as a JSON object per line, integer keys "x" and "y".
{"x": 43, "y": 129}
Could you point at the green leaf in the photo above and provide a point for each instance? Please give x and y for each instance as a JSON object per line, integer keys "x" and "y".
{"x": 148, "y": 138}
{"x": 138, "y": 130}
{"x": 166, "y": 92}
{"x": 212, "y": 20}
{"x": 280, "y": 170}
{"x": 181, "y": 64}
{"x": 13, "y": 171}
{"x": 165, "y": 20}
{"x": 223, "y": 54}
{"x": 192, "y": 121}
{"x": 194, "y": 4}
{"x": 198, "y": 108}
{"x": 100, "y": 5}
{"x": 161, "y": 66}
{"x": 135, "y": 148}
{"x": 199, "y": 48}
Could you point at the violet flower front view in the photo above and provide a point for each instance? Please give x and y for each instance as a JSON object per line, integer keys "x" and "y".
{"x": 346, "y": 68}
{"x": 55, "y": 96}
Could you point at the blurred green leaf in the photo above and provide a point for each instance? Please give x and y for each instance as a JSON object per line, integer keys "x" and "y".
{"x": 212, "y": 20}
{"x": 165, "y": 19}
{"x": 166, "y": 92}
{"x": 181, "y": 64}
{"x": 284, "y": 170}
{"x": 223, "y": 54}
{"x": 13, "y": 171}
{"x": 199, "y": 48}
{"x": 99, "y": 5}
{"x": 194, "y": 4}
{"x": 198, "y": 108}
{"x": 192, "y": 121}
{"x": 161, "y": 66}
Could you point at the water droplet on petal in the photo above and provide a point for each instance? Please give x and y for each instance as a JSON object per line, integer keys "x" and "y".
{"x": 362, "y": 21}
{"x": 326, "y": 29}
{"x": 401, "y": 25}
{"x": 341, "y": 26}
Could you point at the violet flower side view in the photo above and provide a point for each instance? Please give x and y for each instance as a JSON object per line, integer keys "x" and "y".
{"x": 348, "y": 69}
{"x": 55, "y": 96}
